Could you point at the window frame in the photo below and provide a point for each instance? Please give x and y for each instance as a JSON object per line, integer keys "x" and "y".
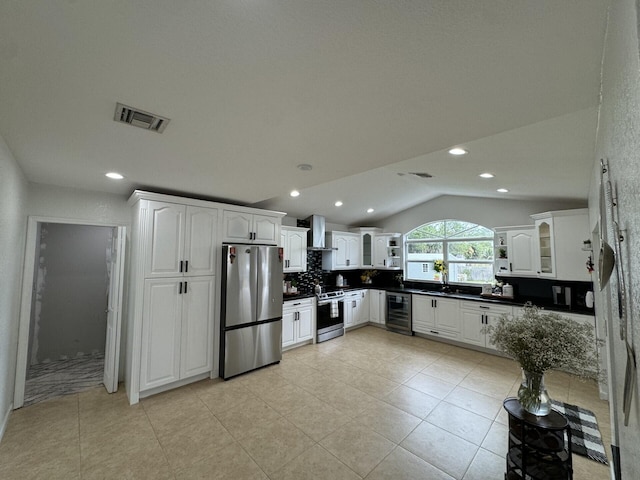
{"x": 445, "y": 241}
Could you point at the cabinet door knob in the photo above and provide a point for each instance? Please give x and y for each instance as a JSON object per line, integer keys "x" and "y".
{"x": 186, "y": 266}
{"x": 185, "y": 287}
{"x": 179, "y": 288}
{"x": 181, "y": 262}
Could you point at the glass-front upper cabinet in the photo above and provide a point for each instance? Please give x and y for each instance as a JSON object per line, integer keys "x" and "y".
{"x": 367, "y": 249}
{"x": 546, "y": 248}
{"x": 367, "y": 245}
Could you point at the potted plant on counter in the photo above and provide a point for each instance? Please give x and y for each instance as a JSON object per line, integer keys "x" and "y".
{"x": 367, "y": 275}
{"x": 441, "y": 267}
{"x": 539, "y": 341}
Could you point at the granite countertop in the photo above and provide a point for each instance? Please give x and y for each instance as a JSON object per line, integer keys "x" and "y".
{"x": 517, "y": 302}
{"x": 286, "y": 297}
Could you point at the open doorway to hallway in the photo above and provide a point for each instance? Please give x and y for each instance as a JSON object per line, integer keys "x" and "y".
{"x": 70, "y": 331}
{"x": 69, "y": 310}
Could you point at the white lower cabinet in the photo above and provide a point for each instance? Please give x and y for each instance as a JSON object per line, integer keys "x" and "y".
{"x": 177, "y": 330}
{"x": 356, "y": 308}
{"x": 436, "y": 316}
{"x": 475, "y": 316}
{"x": 365, "y": 307}
{"x": 377, "y": 306}
{"x": 298, "y": 322}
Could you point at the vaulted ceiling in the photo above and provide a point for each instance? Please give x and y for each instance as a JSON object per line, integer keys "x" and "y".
{"x": 366, "y": 92}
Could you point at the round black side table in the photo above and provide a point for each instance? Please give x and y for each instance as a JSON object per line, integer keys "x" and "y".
{"x": 539, "y": 447}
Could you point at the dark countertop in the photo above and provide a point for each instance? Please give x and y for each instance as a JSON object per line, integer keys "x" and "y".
{"x": 517, "y": 302}
{"x": 286, "y": 297}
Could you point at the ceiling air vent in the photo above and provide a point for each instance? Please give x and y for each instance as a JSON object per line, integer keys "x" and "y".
{"x": 140, "y": 118}
{"x": 421, "y": 174}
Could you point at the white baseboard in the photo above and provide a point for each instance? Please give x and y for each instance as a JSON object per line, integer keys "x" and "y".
{"x": 5, "y": 421}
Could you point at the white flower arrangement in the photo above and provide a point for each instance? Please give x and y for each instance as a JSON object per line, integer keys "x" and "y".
{"x": 541, "y": 340}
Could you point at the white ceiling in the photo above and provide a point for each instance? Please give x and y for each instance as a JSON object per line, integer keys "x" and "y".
{"x": 361, "y": 90}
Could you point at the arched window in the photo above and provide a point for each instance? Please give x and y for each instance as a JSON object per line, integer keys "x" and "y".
{"x": 466, "y": 249}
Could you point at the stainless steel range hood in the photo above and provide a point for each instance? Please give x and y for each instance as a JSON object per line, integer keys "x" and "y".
{"x": 315, "y": 236}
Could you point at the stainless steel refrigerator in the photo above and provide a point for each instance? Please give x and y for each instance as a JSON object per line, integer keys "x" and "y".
{"x": 251, "y": 308}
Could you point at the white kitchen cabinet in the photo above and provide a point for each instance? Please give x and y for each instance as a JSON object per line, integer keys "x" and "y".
{"x": 438, "y": 316}
{"x": 367, "y": 239}
{"x": 559, "y": 238}
{"x": 177, "y": 330}
{"x": 294, "y": 242}
{"x": 377, "y": 306}
{"x": 365, "y": 307}
{"x": 521, "y": 251}
{"x": 183, "y": 240}
{"x": 175, "y": 244}
{"x": 388, "y": 251}
{"x": 347, "y": 253}
{"x": 246, "y": 227}
{"x": 379, "y": 250}
{"x": 298, "y": 322}
{"x": 475, "y": 316}
{"x": 355, "y": 311}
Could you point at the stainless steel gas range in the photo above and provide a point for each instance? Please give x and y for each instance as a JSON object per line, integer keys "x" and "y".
{"x": 330, "y": 315}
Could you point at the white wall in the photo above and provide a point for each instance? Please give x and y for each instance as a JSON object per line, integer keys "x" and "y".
{"x": 619, "y": 141}
{"x": 13, "y": 195}
{"x": 487, "y": 212}
{"x": 94, "y": 207}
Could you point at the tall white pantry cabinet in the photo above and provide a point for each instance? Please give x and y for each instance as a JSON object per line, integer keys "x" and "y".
{"x": 172, "y": 335}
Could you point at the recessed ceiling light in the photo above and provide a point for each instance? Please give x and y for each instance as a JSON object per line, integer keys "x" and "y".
{"x": 486, "y": 175}
{"x": 502, "y": 190}
{"x": 458, "y": 151}
{"x": 370, "y": 210}
{"x": 305, "y": 167}
{"x": 114, "y": 175}
{"x": 338, "y": 203}
{"x": 294, "y": 193}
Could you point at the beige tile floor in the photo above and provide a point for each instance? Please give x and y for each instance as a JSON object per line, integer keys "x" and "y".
{"x": 371, "y": 404}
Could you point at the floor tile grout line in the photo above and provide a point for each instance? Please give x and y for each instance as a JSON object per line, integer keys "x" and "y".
{"x": 79, "y": 438}
{"x": 155, "y": 434}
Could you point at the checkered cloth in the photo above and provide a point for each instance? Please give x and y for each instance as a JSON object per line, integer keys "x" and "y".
{"x": 334, "y": 312}
{"x": 585, "y": 435}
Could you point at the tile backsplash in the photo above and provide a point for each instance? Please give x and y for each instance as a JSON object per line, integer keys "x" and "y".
{"x": 305, "y": 281}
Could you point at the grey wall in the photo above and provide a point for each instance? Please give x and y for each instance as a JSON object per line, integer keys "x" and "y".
{"x": 70, "y": 317}
{"x": 13, "y": 196}
{"x": 483, "y": 211}
{"x": 618, "y": 140}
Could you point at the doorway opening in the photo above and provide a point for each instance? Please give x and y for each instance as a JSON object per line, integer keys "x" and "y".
{"x": 70, "y": 318}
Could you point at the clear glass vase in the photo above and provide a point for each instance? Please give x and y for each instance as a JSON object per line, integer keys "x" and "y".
{"x": 532, "y": 394}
